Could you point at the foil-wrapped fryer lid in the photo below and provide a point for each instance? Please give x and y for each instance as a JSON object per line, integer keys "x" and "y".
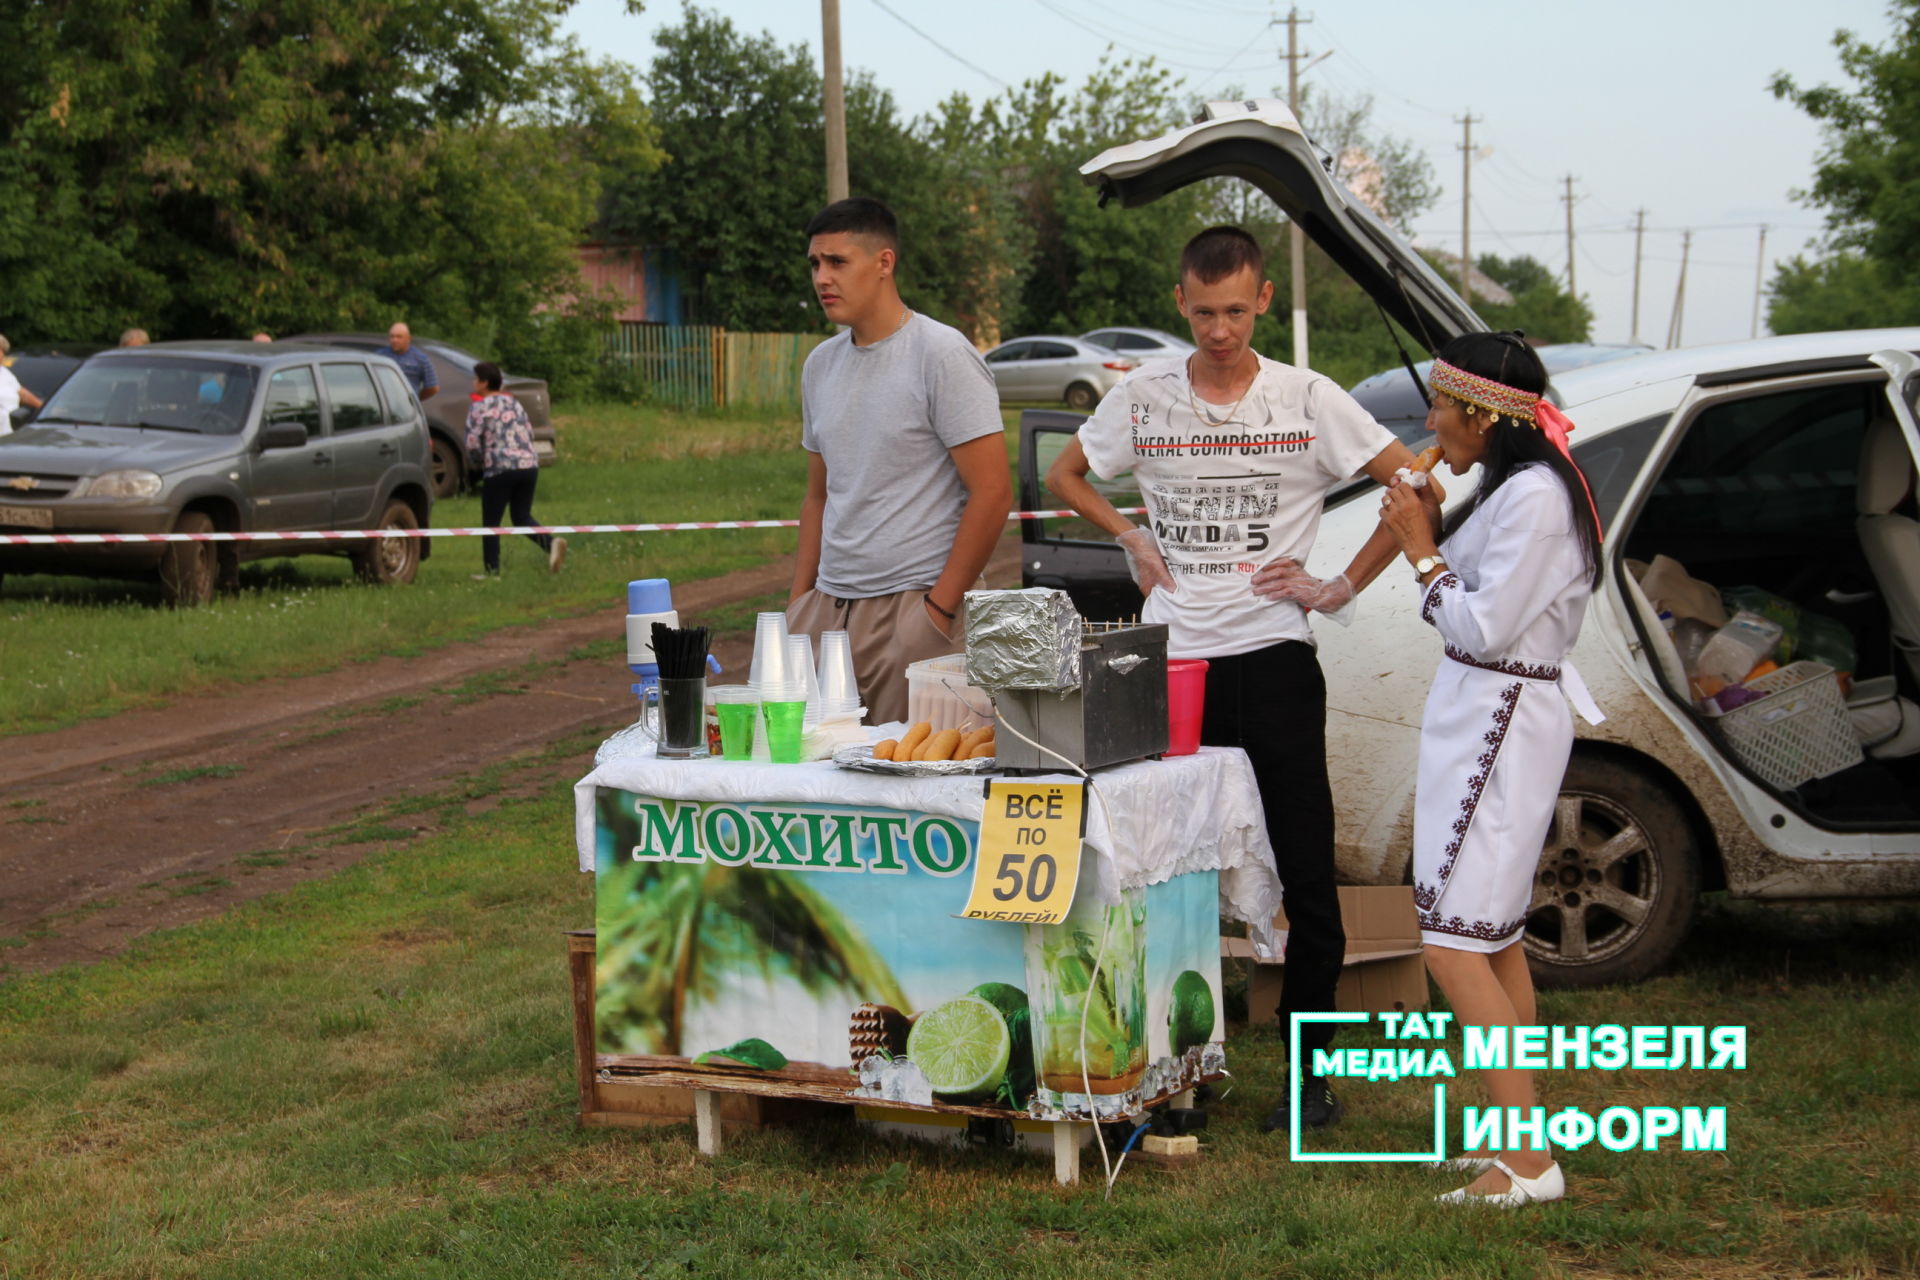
{"x": 1026, "y": 639}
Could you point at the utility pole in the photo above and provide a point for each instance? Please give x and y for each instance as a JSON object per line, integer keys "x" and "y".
{"x": 1466, "y": 207}
{"x": 835, "y": 102}
{"x": 1571, "y": 289}
{"x": 1639, "y": 235}
{"x": 1296, "y": 239}
{"x": 1680, "y": 292}
{"x": 1759, "y": 273}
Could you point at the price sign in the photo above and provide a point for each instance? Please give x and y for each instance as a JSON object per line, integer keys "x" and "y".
{"x": 1028, "y": 863}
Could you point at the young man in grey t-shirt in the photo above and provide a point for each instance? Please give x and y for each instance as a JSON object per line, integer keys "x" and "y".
{"x": 907, "y": 485}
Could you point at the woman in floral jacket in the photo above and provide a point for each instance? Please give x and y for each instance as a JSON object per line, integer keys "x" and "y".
{"x": 500, "y": 443}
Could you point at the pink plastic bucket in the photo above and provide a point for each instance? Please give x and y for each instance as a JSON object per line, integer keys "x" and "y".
{"x": 1186, "y": 703}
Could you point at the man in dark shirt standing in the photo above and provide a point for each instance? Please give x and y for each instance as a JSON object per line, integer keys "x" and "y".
{"x": 418, "y": 370}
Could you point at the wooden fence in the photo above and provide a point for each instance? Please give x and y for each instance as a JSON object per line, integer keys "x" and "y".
{"x": 702, "y": 366}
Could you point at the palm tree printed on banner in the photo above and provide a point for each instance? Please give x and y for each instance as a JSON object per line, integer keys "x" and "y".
{"x": 669, "y": 933}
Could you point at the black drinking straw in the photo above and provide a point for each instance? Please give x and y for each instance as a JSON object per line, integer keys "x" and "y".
{"x": 680, "y": 652}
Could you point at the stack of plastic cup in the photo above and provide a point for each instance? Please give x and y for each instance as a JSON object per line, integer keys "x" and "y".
{"x": 769, "y": 650}
{"x": 800, "y": 672}
{"x": 768, "y": 674}
{"x": 839, "y": 691}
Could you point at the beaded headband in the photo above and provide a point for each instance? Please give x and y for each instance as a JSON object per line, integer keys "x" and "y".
{"x": 1495, "y": 397}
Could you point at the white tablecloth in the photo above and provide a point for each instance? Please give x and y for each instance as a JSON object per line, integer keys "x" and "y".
{"x": 1160, "y": 819}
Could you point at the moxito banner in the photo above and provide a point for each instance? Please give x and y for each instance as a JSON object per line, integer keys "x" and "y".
{"x": 818, "y": 943}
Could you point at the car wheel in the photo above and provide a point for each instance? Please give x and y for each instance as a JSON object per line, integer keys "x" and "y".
{"x": 447, "y": 468}
{"x": 1081, "y": 398}
{"x": 1618, "y": 877}
{"x": 390, "y": 561}
{"x": 189, "y": 571}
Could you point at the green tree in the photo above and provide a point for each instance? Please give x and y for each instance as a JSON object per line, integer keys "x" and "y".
{"x": 739, "y": 120}
{"x": 1846, "y": 290}
{"x": 1541, "y": 308}
{"x": 1390, "y": 174}
{"x": 1090, "y": 266}
{"x": 203, "y": 169}
{"x": 1863, "y": 179}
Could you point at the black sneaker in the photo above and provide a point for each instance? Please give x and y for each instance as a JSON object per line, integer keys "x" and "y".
{"x": 1318, "y": 1106}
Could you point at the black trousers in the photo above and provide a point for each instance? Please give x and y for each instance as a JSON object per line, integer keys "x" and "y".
{"x": 1272, "y": 704}
{"x": 508, "y": 490}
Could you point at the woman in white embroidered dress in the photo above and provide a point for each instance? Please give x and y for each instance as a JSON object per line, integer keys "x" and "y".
{"x": 1507, "y": 577}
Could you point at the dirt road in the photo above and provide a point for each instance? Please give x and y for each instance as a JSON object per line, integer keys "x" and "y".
{"x": 114, "y": 828}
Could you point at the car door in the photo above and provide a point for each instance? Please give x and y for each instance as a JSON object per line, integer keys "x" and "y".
{"x": 1053, "y": 365}
{"x": 1067, "y": 553}
{"x": 365, "y": 443}
{"x": 1008, "y": 365}
{"x": 1753, "y": 485}
{"x": 292, "y": 488}
{"x": 403, "y": 408}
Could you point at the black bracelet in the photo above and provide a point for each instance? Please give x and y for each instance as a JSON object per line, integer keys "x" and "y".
{"x": 948, "y": 614}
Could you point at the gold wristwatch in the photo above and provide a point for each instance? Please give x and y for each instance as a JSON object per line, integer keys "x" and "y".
{"x": 1427, "y": 564}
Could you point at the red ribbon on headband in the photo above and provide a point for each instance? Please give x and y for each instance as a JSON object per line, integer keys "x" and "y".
{"x": 1558, "y": 427}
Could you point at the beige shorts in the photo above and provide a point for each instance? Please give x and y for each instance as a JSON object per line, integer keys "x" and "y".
{"x": 887, "y": 633}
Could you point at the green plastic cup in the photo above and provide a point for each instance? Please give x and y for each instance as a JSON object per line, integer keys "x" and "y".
{"x": 785, "y": 717}
{"x": 737, "y": 706}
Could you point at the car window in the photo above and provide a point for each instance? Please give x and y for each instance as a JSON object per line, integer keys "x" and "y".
{"x": 399, "y": 397}
{"x": 1012, "y": 351}
{"x": 1773, "y": 463}
{"x": 1133, "y": 342}
{"x": 350, "y": 391}
{"x": 1123, "y": 493}
{"x": 160, "y": 393}
{"x": 1053, "y": 351}
{"x": 1612, "y": 461}
{"x": 1107, "y": 338}
{"x": 292, "y": 396}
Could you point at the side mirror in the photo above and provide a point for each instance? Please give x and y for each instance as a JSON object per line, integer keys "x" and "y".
{"x": 283, "y": 435}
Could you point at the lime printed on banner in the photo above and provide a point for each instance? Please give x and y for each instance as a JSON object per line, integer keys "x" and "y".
{"x": 751, "y": 1052}
{"x": 963, "y": 1047}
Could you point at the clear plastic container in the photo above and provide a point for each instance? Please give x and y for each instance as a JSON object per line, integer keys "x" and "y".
{"x": 1737, "y": 648}
{"x": 938, "y": 692}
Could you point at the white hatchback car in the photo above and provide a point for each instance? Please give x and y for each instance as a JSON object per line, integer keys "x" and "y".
{"x": 1785, "y": 463}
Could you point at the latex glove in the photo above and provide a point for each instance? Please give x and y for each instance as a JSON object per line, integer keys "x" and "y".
{"x": 1144, "y": 561}
{"x": 1286, "y": 580}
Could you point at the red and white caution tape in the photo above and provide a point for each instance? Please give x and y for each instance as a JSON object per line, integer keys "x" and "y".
{"x": 351, "y": 535}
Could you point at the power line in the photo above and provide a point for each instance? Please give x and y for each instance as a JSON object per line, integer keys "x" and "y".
{"x": 1382, "y": 84}
{"x": 1155, "y": 54}
{"x": 1627, "y": 231}
{"x": 886, "y": 9}
{"x": 1208, "y": 82}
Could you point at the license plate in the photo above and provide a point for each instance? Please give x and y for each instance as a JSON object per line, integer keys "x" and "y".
{"x": 31, "y": 517}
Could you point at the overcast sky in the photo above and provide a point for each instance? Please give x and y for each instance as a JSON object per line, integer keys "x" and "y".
{"x": 1661, "y": 106}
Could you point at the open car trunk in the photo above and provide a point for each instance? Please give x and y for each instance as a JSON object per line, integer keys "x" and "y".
{"x": 1260, "y": 141}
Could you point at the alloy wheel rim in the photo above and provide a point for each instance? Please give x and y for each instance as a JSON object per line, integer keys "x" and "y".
{"x": 1596, "y": 884}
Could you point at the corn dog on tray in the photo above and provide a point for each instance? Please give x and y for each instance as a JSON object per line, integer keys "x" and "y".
{"x": 861, "y": 760}
{"x": 923, "y": 753}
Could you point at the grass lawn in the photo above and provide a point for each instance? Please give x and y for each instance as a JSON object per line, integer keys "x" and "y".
{"x": 371, "y": 1076}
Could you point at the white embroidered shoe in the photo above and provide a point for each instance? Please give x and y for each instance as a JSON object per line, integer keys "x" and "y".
{"x": 1550, "y": 1185}
{"x": 1474, "y": 1165}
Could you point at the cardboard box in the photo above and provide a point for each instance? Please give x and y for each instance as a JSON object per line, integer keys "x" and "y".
{"x": 1382, "y": 972}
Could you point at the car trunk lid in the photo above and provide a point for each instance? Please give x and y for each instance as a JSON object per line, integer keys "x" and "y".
{"x": 1260, "y": 141}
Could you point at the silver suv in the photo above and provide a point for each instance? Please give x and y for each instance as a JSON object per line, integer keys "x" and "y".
{"x": 197, "y": 437}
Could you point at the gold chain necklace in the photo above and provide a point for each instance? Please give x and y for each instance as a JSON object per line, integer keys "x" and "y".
{"x": 1199, "y": 411}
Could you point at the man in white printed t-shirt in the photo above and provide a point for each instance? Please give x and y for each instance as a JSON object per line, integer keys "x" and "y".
{"x": 1235, "y": 455}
